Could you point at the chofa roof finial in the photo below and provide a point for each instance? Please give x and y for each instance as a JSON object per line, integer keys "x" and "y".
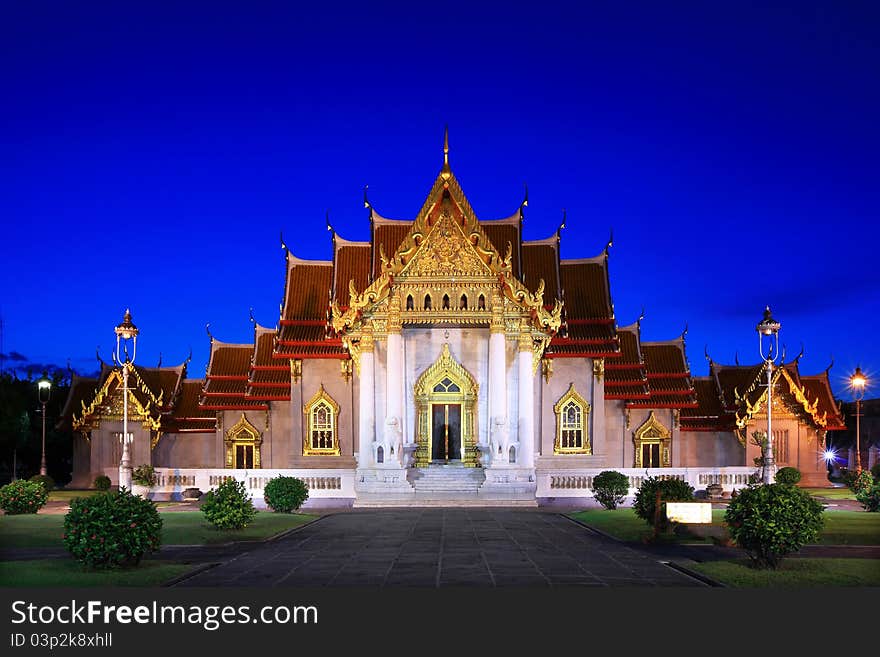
{"x": 445, "y": 171}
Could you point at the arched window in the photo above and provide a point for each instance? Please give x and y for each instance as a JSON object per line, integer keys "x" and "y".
{"x": 572, "y": 424}
{"x": 322, "y": 435}
{"x": 481, "y": 303}
{"x": 243, "y": 443}
{"x": 409, "y": 302}
{"x": 445, "y": 302}
{"x": 463, "y": 303}
{"x": 427, "y": 302}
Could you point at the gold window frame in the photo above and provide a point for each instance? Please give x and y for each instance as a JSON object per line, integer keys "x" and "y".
{"x": 321, "y": 398}
{"x": 572, "y": 396}
{"x": 651, "y": 432}
{"x": 243, "y": 433}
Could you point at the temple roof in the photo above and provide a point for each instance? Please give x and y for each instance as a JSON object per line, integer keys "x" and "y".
{"x": 188, "y": 416}
{"x": 739, "y": 392}
{"x": 589, "y": 328}
{"x": 226, "y": 381}
{"x": 626, "y": 376}
{"x": 669, "y": 376}
{"x": 540, "y": 260}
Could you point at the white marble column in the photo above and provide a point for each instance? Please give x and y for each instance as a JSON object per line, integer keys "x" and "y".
{"x": 394, "y": 388}
{"x": 526, "y": 456}
{"x": 497, "y": 394}
{"x": 366, "y": 405}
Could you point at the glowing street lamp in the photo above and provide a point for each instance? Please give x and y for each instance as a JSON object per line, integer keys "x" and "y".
{"x": 768, "y": 334}
{"x": 858, "y": 381}
{"x": 44, "y": 389}
{"x": 125, "y": 332}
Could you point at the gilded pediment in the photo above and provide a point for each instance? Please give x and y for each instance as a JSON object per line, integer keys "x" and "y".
{"x": 445, "y": 253}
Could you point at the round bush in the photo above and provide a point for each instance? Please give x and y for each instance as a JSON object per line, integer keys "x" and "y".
{"x": 771, "y": 521}
{"x": 23, "y": 497}
{"x": 285, "y": 494}
{"x": 47, "y": 482}
{"x": 144, "y": 475}
{"x": 788, "y": 476}
{"x": 862, "y": 482}
{"x": 870, "y": 498}
{"x": 115, "y": 529}
{"x": 102, "y": 482}
{"x": 875, "y": 471}
{"x": 610, "y": 488}
{"x": 229, "y": 506}
{"x": 671, "y": 490}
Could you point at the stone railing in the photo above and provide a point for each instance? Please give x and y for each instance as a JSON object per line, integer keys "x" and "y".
{"x": 171, "y": 482}
{"x": 578, "y": 483}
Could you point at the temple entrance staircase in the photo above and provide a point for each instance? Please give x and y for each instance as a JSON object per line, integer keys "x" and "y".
{"x": 444, "y": 484}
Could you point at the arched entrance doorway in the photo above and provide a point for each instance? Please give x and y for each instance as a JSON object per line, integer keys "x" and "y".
{"x": 446, "y": 397}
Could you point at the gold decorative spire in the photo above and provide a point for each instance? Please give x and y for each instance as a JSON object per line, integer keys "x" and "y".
{"x": 445, "y": 172}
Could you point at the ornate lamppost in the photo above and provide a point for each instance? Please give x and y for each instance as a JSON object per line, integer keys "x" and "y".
{"x": 44, "y": 389}
{"x": 858, "y": 381}
{"x": 768, "y": 346}
{"x": 125, "y": 332}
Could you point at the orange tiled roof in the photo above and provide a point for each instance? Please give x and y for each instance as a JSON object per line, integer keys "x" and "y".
{"x": 388, "y": 235}
{"x": 188, "y": 416}
{"x": 500, "y": 233}
{"x": 227, "y": 378}
{"x": 709, "y": 414}
{"x": 268, "y": 378}
{"x": 626, "y": 377}
{"x": 541, "y": 261}
{"x": 589, "y": 325}
{"x": 669, "y": 378}
{"x": 351, "y": 262}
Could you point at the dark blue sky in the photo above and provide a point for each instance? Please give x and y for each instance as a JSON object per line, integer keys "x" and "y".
{"x": 152, "y": 153}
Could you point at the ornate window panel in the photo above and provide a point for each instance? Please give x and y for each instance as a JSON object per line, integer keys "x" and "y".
{"x": 572, "y": 424}
{"x": 243, "y": 443}
{"x": 652, "y": 441}
{"x": 322, "y": 415}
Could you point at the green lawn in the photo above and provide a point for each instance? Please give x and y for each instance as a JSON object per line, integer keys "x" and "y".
{"x": 67, "y": 572}
{"x": 67, "y": 495}
{"x": 832, "y": 493}
{"x": 794, "y": 572}
{"x": 624, "y": 525}
{"x": 841, "y": 527}
{"x": 851, "y": 528}
{"x": 178, "y": 528}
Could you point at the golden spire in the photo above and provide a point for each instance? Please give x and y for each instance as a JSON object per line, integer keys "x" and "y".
{"x": 445, "y": 171}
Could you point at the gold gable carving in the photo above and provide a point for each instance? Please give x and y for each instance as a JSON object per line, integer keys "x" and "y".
{"x": 446, "y": 252}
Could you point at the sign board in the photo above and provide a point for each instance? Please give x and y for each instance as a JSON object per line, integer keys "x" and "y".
{"x": 692, "y": 513}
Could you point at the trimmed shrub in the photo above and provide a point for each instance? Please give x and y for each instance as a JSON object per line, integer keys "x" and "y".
{"x": 848, "y": 477}
{"x": 788, "y": 475}
{"x": 870, "y": 498}
{"x": 144, "y": 475}
{"x": 115, "y": 529}
{"x": 862, "y": 482}
{"x": 229, "y": 506}
{"x": 771, "y": 521}
{"x": 671, "y": 490}
{"x": 102, "y": 482}
{"x": 285, "y": 494}
{"x": 875, "y": 471}
{"x": 22, "y": 496}
{"x": 610, "y": 488}
{"x": 47, "y": 482}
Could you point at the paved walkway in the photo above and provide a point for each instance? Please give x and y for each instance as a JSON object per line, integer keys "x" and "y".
{"x": 443, "y": 547}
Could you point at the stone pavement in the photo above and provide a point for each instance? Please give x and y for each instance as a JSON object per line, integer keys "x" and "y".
{"x": 440, "y": 547}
